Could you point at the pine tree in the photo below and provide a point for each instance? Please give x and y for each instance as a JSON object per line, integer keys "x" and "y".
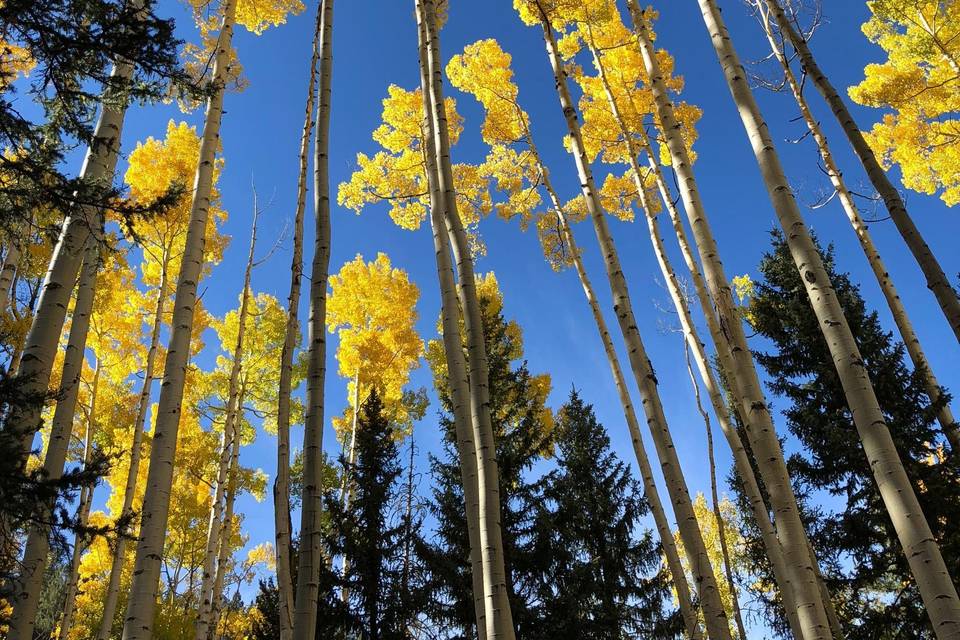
{"x": 865, "y": 568}
{"x": 602, "y": 579}
{"x": 523, "y": 429}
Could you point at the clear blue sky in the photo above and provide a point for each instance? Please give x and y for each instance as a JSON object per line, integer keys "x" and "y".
{"x": 375, "y": 45}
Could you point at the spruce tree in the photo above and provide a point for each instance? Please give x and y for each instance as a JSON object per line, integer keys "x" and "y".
{"x": 523, "y": 431}
{"x": 602, "y": 580}
{"x": 864, "y": 566}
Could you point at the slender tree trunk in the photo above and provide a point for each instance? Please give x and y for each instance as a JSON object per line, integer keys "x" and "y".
{"x": 346, "y": 487}
{"x": 37, "y": 550}
{"x": 311, "y": 551}
{"x": 408, "y": 525}
{"x": 138, "y": 622}
{"x": 715, "y": 617}
{"x": 715, "y": 500}
{"x": 291, "y": 338}
{"x": 226, "y": 533}
{"x": 40, "y": 346}
{"x": 726, "y": 329}
{"x": 233, "y": 417}
{"x": 499, "y": 618}
{"x": 453, "y": 350}
{"x": 936, "y": 279}
{"x": 926, "y": 562}
{"x": 688, "y": 610}
{"x": 10, "y": 263}
{"x": 83, "y": 513}
{"x": 910, "y": 339}
{"x": 136, "y": 456}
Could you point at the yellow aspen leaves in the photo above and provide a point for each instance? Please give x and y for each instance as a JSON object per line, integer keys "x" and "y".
{"x": 919, "y": 87}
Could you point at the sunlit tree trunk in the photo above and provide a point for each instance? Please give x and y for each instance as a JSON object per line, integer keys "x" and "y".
{"x": 453, "y": 351}
{"x": 40, "y": 346}
{"x": 311, "y": 552}
{"x": 233, "y": 416}
{"x": 736, "y": 359}
{"x": 926, "y": 562}
{"x": 136, "y": 456}
{"x": 688, "y": 610}
{"x": 715, "y": 617}
{"x": 281, "y": 486}
{"x": 499, "y": 618}
{"x": 715, "y": 500}
{"x": 936, "y": 279}
{"x": 10, "y": 263}
{"x": 346, "y": 487}
{"x": 83, "y": 513}
{"x": 138, "y": 621}
{"x": 37, "y": 550}
{"x": 897, "y": 310}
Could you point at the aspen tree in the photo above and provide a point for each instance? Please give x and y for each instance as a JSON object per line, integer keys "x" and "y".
{"x": 37, "y": 549}
{"x": 11, "y": 260}
{"x": 229, "y": 442}
{"x": 484, "y": 70}
{"x": 308, "y": 574}
{"x": 499, "y": 619}
{"x": 937, "y": 280}
{"x": 926, "y": 562}
{"x": 281, "y": 486}
{"x": 714, "y": 615}
{"x": 138, "y": 621}
{"x": 726, "y": 328}
{"x": 897, "y": 310}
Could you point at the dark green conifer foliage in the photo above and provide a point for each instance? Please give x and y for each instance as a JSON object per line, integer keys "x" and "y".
{"x": 864, "y": 564}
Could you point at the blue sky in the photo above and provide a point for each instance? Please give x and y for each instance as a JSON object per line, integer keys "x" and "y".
{"x": 375, "y": 45}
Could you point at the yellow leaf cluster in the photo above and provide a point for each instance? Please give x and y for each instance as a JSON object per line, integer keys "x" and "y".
{"x": 15, "y": 62}
{"x": 919, "y": 83}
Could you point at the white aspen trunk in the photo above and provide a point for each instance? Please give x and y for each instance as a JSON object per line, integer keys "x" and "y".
{"x": 499, "y": 618}
{"x": 10, "y": 263}
{"x": 907, "y": 333}
{"x": 138, "y": 622}
{"x": 281, "y": 486}
{"x": 136, "y": 456}
{"x": 83, "y": 513}
{"x": 226, "y": 533}
{"x": 715, "y": 617}
{"x": 936, "y": 587}
{"x": 346, "y": 489}
{"x": 688, "y": 610}
{"x": 34, "y": 563}
{"x": 936, "y": 279}
{"x": 726, "y": 329}
{"x": 311, "y": 551}
{"x": 233, "y": 415}
{"x": 453, "y": 350}
{"x": 715, "y": 500}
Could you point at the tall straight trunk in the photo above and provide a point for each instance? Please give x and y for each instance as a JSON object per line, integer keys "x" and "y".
{"x": 715, "y": 500}
{"x": 499, "y": 618}
{"x": 311, "y": 551}
{"x": 226, "y": 532}
{"x": 138, "y": 621}
{"x": 81, "y": 539}
{"x": 233, "y": 415}
{"x": 346, "y": 487}
{"x": 936, "y": 279}
{"x": 136, "y": 456}
{"x": 936, "y": 587}
{"x": 910, "y": 339}
{"x": 726, "y": 329}
{"x": 291, "y": 337}
{"x": 688, "y": 610}
{"x": 408, "y": 524}
{"x": 453, "y": 351}
{"x": 37, "y": 549}
{"x": 40, "y": 345}
{"x": 11, "y": 262}
{"x": 715, "y": 617}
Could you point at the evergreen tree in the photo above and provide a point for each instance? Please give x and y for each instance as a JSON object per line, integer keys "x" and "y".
{"x": 864, "y": 566}
{"x": 371, "y": 600}
{"x": 266, "y": 623}
{"x": 602, "y": 579}
{"x": 523, "y": 429}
